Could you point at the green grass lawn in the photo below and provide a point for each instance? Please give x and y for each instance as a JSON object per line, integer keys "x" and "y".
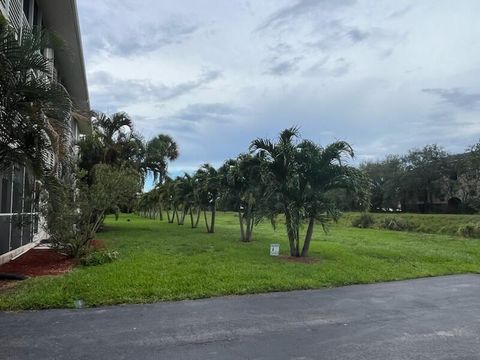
{"x": 160, "y": 261}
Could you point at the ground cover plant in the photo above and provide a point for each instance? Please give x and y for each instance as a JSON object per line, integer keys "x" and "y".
{"x": 163, "y": 261}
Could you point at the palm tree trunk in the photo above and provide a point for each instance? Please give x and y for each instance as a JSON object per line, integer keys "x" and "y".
{"x": 191, "y": 217}
{"x": 180, "y": 217}
{"x": 170, "y": 218}
{"x": 160, "y": 212}
{"x": 184, "y": 214}
{"x": 252, "y": 223}
{"x": 308, "y": 237}
{"x": 199, "y": 212}
{"x": 206, "y": 220}
{"x": 297, "y": 243}
{"x": 290, "y": 232}
{"x": 212, "y": 224}
{"x": 242, "y": 230}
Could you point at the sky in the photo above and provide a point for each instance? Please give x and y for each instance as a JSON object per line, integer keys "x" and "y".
{"x": 386, "y": 76}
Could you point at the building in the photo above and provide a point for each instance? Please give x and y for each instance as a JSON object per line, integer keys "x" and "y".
{"x": 457, "y": 190}
{"x": 20, "y": 225}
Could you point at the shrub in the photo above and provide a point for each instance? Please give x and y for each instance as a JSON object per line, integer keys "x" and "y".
{"x": 99, "y": 257}
{"x": 397, "y": 224}
{"x": 471, "y": 230}
{"x": 365, "y": 220}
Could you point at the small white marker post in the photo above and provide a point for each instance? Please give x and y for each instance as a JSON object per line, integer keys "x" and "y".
{"x": 274, "y": 249}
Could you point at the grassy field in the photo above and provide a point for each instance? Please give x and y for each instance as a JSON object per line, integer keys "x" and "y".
{"x": 160, "y": 261}
{"x": 446, "y": 224}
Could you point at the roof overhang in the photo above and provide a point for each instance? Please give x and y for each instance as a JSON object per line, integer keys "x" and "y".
{"x": 61, "y": 18}
{"x": 84, "y": 123}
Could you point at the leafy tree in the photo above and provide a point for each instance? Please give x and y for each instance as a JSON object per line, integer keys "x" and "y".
{"x": 75, "y": 215}
{"x": 387, "y": 182}
{"x": 465, "y": 178}
{"x": 425, "y": 169}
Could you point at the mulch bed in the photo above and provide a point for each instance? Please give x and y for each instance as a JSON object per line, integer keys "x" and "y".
{"x": 37, "y": 262}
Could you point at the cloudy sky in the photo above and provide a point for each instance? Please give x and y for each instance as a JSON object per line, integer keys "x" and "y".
{"x": 384, "y": 75}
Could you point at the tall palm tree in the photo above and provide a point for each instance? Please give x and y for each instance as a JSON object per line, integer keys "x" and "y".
{"x": 282, "y": 175}
{"x": 34, "y": 111}
{"x": 159, "y": 151}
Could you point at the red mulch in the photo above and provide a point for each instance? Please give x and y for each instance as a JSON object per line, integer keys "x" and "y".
{"x": 37, "y": 262}
{"x": 97, "y": 244}
{"x": 294, "y": 259}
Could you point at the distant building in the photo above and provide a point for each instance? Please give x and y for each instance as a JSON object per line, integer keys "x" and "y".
{"x": 19, "y": 208}
{"x": 455, "y": 191}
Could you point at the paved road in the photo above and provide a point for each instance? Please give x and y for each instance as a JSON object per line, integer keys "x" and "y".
{"x": 435, "y": 318}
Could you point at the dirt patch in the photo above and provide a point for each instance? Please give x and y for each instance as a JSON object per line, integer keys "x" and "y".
{"x": 301, "y": 260}
{"x": 97, "y": 244}
{"x": 37, "y": 262}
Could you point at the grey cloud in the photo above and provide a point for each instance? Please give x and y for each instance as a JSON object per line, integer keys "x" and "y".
{"x": 107, "y": 89}
{"x": 400, "y": 12}
{"x": 336, "y": 34}
{"x": 357, "y": 35}
{"x": 284, "y": 67}
{"x": 457, "y": 97}
{"x": 300, "y": 8}
{"x": 216, "y": 112}
{"x": 151, "y": 37}
{"x": 129, "y": 41}
{"x": 281, "y": 48}
{"x": 337, "y": 68}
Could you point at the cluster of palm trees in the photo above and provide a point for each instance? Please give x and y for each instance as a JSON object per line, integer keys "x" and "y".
{"x": 114, "y": 141}
{"x": 287, "y": 177}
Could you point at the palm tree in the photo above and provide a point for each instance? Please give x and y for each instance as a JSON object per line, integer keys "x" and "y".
{"x": 113, "y": 141}
{"x": 34, "y": 111}
{"x": 159, "y": 151}
{"x": 208, "y": 182}
{"x": 191, "y": 199}
{"x": 282, "y": 176}
{"x": 299, "y": 175}
{"x": 323, "y": 170}
{"x": 244, "y": 188}
{"x": 167, "y": 193}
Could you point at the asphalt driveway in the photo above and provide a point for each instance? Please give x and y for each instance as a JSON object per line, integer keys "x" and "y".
{"x": 433, "y": 318}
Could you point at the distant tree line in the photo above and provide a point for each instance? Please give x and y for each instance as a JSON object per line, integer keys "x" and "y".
{"x": 425, "y": 180}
